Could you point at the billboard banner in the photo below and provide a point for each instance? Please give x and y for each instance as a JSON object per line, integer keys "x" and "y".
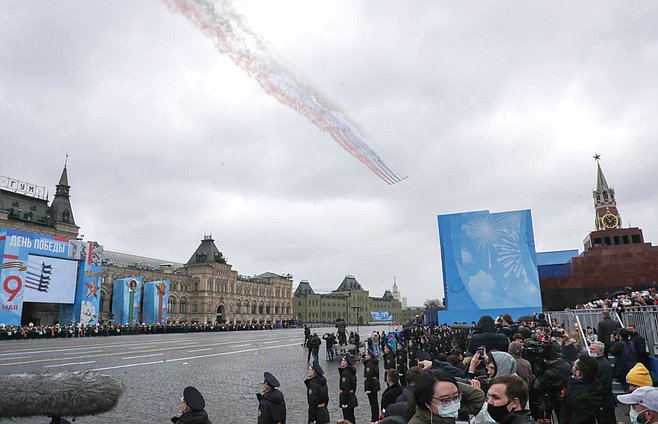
{"x": 85, "y": 308}
{"x": 489, "y": 265}
{"x": 380, "y": 316}
{"x": 44, "y": 278}
{"x": 125, "y": 300}
{"x": 154, "y": 305}
{"x": 50, "y": 280}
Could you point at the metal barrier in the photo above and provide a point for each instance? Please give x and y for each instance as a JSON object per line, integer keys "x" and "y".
{"x": 645, "y": 319}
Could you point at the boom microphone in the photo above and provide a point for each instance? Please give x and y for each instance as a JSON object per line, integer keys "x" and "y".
{"x": 71, "y": 394}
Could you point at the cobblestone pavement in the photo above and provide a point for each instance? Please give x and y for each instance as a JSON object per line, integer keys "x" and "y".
{"x": 226, "y": 367}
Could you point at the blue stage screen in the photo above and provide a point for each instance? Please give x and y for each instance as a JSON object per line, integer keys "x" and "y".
{"x": 489, "y": 265}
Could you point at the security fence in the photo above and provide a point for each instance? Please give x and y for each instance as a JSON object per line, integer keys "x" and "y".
{"x": 645, "y": 319}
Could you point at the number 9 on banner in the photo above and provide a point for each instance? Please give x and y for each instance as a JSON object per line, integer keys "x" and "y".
{"x": 12, "y": 291}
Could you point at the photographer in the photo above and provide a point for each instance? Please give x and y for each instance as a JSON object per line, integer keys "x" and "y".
{"x": 553, "y": 380}
{"x": 625, "y": 355}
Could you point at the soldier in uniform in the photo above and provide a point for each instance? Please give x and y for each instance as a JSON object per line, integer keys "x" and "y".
{"x": 413, "y": 361}
{"x": 347, "y": 398}
{"x": 401, "y": 358}
{"x": 371, "y": 383}
{"x": 389, "y": 358}
{"x": 271, "y": 404}
{"x": 193, "y": 408}
{"x": 317, "y": 395}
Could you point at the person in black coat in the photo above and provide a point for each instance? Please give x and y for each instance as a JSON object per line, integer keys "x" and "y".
{"x": 392, "y": 391}
{"x": 389, "y": 358}
{"x": 401, "y": 359}
{"x": 371, "y": 383}
{"x": 487, "y": 336}
{"x": 582, "y": 399}
{"x": 411, "y": 352}
{"x": 347, "y": 398}
{"x": 317, "y": 395}
{"x": 193, "y": 408}
{"x": 555, "y": 377}
{"x": 617, "y": 350}
{"x": 271, "y": 404}
{"x": 604, "y": 330}
{"x": 605, "y": 376}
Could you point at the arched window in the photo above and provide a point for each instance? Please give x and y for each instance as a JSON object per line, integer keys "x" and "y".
{"x": 183, "y": 306}
{"x": 267, "y": 308}
{"x": 261, "y": 307}
{"x": 253, "y": 307}
{"x": 238, "y": 306}
{"x": 195, "y": 307}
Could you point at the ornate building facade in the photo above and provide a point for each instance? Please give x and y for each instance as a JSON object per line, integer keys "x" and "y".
{"x": 205, "y": 289}
{"x": 349, "y": 302}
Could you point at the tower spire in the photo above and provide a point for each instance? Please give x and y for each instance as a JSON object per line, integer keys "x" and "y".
{"x": 607, "y": 217}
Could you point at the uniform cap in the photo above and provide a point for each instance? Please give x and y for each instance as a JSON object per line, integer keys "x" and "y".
{"x": 317, "y": 368}
{"x": 423, "y": 356}
{"x": 193, "y": 399}
{"x": 270, "y": 380}
{"x": 639, "y": 376}
{"x": 348, "y": 358}
{"x": 646, "y": 397}
{"x": 371, "y": 352}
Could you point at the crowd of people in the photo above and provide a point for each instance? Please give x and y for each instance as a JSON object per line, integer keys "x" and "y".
{"x": 624, "y": 299}
{"x": 32, "y": 331}
{"x": 492, "y": 371}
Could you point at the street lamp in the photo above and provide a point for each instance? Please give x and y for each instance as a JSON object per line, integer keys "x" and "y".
{"x": 357, "y": 309}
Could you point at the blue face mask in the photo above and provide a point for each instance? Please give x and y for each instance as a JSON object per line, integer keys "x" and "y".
{"x": 634, "y": 415}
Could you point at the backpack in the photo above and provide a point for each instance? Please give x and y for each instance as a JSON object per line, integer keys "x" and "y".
{"x": 629, "y": 355}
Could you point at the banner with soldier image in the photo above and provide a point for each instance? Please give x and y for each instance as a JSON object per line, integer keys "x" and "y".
{"x": 85, "y": 308}
{"x": 126, "y": 299}
{"x": 154, "y": 305}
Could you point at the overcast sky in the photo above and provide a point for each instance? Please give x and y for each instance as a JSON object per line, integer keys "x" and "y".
{"x": 483, "y": 105}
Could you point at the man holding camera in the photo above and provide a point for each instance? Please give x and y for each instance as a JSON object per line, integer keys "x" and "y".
{"x": 555, "y": 377}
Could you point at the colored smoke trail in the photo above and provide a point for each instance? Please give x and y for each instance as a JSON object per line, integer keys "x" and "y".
{"x": 233, "y": 38}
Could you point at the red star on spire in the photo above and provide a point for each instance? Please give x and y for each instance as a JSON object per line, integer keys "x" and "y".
{"x": 597, "y": 156}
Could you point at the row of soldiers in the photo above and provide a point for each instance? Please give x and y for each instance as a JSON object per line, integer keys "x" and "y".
{"x": 101, "y": 330}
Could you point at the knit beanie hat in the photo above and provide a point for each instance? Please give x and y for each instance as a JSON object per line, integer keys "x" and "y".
{"x": 639, "y": 376}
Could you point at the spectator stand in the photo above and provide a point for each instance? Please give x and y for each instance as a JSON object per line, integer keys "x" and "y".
{"x": 645, "y": 319}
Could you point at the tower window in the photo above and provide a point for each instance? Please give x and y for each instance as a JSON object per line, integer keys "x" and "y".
{"x": 636, "y": 238}
{"x": 626, "y": 240}
{"x": 65, "y": 216}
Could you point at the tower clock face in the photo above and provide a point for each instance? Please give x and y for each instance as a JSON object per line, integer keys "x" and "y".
{"x": 610, "y": 221}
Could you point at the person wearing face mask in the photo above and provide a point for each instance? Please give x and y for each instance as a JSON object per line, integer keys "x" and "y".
{"x": 639, "y": 343}
{"x": 644, "y": 405}
{"x": 605, "y": 376}
{"x": 582, "y": 399}
{"x": 506, "y": 399}
{"x": 439, "y": 399}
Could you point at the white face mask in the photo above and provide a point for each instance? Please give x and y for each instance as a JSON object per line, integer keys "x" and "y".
{"x": 633, "y": 415}
{"x": 450, "y": 411}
